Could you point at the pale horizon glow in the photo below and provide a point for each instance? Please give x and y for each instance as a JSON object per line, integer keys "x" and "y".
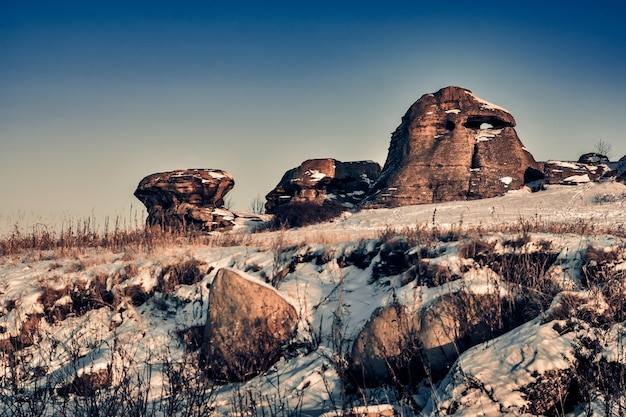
{"x": 95, "y": 96}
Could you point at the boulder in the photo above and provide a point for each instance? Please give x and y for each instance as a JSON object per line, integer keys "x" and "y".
{"x": 573, "y": 173}
{"x": 248, "y": 323}
{"x": 386, "y": 350}
{"x": 452, "y": 145}
{"x": 319, "y": 180}
{"x": 455, "y": 322}
{"x": 526, "y": 372}
{"x": 187, "y": 199}
{"x": 593, "y": 158}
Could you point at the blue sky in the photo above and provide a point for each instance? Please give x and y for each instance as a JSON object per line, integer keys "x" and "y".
{"x": 96, "y": 95}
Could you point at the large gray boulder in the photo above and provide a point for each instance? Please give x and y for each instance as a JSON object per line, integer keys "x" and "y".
{"x": 247, "y": 325}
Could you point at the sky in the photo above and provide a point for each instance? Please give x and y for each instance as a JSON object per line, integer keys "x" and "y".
{"x": 95, "y": 95}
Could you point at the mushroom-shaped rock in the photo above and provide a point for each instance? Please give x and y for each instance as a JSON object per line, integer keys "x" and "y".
{"x": 452, "y": 145}
{"x": 248, "y": 323}
{"x": 187, "y": 199}
{"x": 387, "y": 350}
{"x": 318, "y": 180}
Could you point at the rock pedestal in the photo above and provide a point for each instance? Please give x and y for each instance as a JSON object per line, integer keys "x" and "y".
{"x": 191, "y": 199}
{"x": 452, "y": 145}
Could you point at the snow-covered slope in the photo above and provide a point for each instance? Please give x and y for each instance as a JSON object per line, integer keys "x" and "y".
{"x": 116, "y": 314}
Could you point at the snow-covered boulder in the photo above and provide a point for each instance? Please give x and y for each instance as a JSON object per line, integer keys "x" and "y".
{"x": 187, "y": 199}
{"x": 248, "y": 322}
{"x": 524, "y": 372}
{"x": 452, "y": 145}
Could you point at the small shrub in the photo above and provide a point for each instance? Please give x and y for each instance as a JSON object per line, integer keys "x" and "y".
{"x": 87, "y": 384}
{"x": 305, "y": 213}
{"x": 475, "y": 248}
{"x": 186, "y": 272}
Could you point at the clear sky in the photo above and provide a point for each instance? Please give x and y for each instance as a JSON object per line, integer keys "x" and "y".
{"x": 95, "y": 95}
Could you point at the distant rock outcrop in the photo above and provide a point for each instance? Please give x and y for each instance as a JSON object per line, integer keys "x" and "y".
{"x": 318, "y": 180}
{"x": 248, "y": 322}
{"x": 452, "y": 145}
{"x": 187, "y": 199}
{"x": 591, "y": 167}
{"x": 573, "y": 173}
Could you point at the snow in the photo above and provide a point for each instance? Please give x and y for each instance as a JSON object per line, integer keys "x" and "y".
{"x": 453, "y": 111}
{"x": 322, "y": 292}
{"x": 487, "y": 134}
{"x": 315, "y": 175}
{"x": 486, "y": 104}
{"x": 578, "y": 178}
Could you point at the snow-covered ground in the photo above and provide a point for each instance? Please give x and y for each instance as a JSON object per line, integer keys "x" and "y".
{"x": 334, "y": 300}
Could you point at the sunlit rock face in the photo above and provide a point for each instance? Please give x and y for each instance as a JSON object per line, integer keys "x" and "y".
{"x": 452, "y": 145}
{"x": 319, "y": 180}
{"x": 191, "y": 199}
{"x": 247, "y": 324}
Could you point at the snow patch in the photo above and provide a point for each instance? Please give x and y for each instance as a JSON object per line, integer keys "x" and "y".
{"x": 486, "y": 104}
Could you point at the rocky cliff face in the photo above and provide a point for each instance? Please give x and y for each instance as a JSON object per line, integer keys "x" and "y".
{"x": 452, "y": 145}
{"x": 190, "y": 199}
{"x": 318, "y": 180}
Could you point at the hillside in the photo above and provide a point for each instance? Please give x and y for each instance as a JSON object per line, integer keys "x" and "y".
{"x": 538, "y": 329}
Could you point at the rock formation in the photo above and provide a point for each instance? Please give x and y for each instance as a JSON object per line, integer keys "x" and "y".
{"x": 187, "y": 199}
{"x": 452, "y": 145}
{"x": 318, "y": 180}
{"x": 590, "y": 167}
{"x": 248, "y": 323}
{"x": 572, "y": 173}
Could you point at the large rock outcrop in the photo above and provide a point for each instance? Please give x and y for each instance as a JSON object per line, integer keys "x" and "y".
{"x": 318, "y": 180}
{"x": 248, "y": 322}
{"x": 187, "y": 199}
{"x": 452, "y": 145}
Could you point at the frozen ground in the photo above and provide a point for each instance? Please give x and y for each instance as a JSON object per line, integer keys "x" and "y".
{"x": 323, "y": 289}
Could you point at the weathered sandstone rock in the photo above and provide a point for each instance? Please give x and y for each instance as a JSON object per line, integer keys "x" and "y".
{"x": 387, "y": 348}
{"x": 318, "y": 180}
{"x": 452, "y": 145}
{"x": 572, "y": 173}
{"x": 455, "y": 322}
{"x": 187, "y": 199}
{"x": 248, "y": 323}
{"x": 591, "y": 167}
